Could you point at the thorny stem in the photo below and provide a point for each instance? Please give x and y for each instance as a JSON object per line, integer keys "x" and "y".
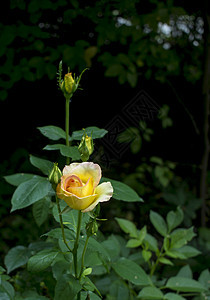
{"x": 61, "y": 223}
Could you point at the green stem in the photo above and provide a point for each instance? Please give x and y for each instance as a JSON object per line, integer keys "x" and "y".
{"x": 79, "y": 295}
{"x": 83, "y": 257}
{"x": 79, "y": 222}
{"x": 61, "y": 223}
{"x": 157, "y": 262}
{"x": 67, "y": 127}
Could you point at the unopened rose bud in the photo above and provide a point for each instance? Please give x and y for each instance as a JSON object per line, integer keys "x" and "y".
{"x": 68, "y": 85}
{"x": 89, "y": 144}
{"x": 86, "y": 147}
{"x": 55, "y": 176}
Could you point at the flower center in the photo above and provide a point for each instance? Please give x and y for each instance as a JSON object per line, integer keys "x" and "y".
{"x": 72, "y": 181}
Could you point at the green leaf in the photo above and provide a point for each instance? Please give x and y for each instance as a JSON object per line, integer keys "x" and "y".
{"x": 158, "y": 222}
{"x": 184, "y": 252}
{"x": 159, "y": 173}
{"x": 93, "y": 296}
{"x": 42, "y": 260}
{"x": 133, "y": 243}
{"x": 16, "y": 257}
{"x": 31, "y": 295}
{"x": 204, "y": 278}
{"x": 112, "y": 246}
{"x": 188, "y": 251}
{"x": 182, "y": 284}
{"x": 2, "y": 270}
{"x": 150, "y": 293}
{"x": 156, "y": 160}
{"x": 129, "y": 135}
{"x": 96, "y": 133}
{"x": 166, "y": 243}
{"x": 40, "y": 210}
{"x": 94, "y": 245}
{"x": 52, "y": 132}
{"x": 30, "y": 192}
{"x": 40, "y": 245}
{"x": 57, "y": 234}
{"x": 129, "y": 270}
{"x": 165, "y": 261}
{"x": 6, "y": 290}
{"x": 128, "y": 227}
{"x": 4, "y": 296}
{"x": 119, "y": 291}
{"x": 59, "y": 268}
{"x": 66, "y": 287}
{"x": 146, "y": 255}
{"x": 142, "y": 233}
{"x": 18, "y": 178}
{"x": 114, "y": 70}
{"x": 89, "y": 285}
{"x": 151, "y": 242}
{"x": 71, "y": 152}
{"x": 185, "y": 272}
{"x": 132, "y": 78}
{"x": 67, "y": 151}
{"x": 44, "y": 165}
{"x": 172, "y": 296}
{"x": 174, "y": 218}
{"x": 175, "y": 254}
{"x": 122, "y": 191}
{"x": 180, "y": 237}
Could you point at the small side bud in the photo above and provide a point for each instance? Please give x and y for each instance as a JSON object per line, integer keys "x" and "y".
{"x": 86, "y": 272}
{"x": 55, "y": 176}
{"x": 86, "y": 147}
{"x": 91, "y": 228}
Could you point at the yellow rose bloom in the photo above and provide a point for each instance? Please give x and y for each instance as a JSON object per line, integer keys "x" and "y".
{"x": 80, "y": 188}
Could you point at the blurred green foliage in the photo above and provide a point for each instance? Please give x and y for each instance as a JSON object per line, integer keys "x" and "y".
{"x": 128, "y": 39}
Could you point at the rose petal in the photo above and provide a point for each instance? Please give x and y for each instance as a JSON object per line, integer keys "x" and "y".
{"x": 82, "y": 191}
{"x": 74, "y": 201}
{"x": 104, "y": 192}
{"x": 71, "y": 181}
{"x": 87, "y": 170}
{"x": 68, "y": 169}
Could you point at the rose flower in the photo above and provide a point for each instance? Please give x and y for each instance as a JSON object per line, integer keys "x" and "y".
{"x": 80, "y": 188}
